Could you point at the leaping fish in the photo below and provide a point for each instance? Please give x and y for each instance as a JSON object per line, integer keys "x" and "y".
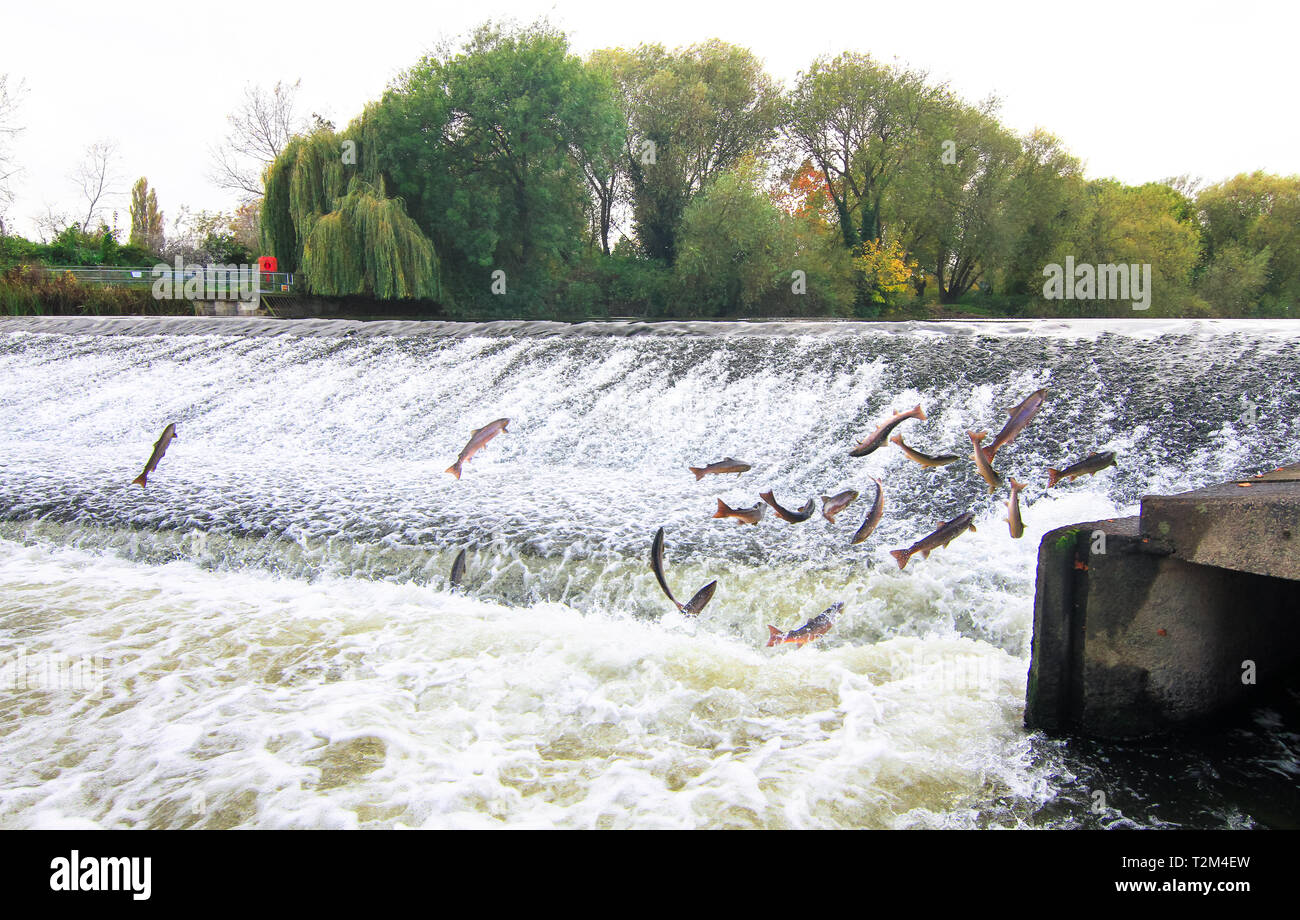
{"x": 726, "y": 465}
{"x": 791, "y": 517}
{"x": 1020, "y": 416}
{"x": 1013, "y": 510}
{"x": 1093, "y": 463}
{"x": 942, "y": 536}
{"x": 742, "y": 515}
{"x": 815, "y": 628}
{"x": 458, "y": 568}
{"x": 476, "y": 441}
{"x": 873, "y": 516}
{"x": 159, "y": 448}
{"x": 925, "y": 460}
{"x": 834, "y": 504}
{"x": 991, "y": 476}
{"x": 878, "y": 437}
{"x": 694, "y": 605}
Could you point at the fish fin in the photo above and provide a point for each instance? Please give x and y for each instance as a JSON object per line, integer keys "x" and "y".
{"x": 900, "y": 556}
{"x": 774, "y": 636}
{"x": 897, "y": 439}
{"x": 925, "y": 553}
{"x": 920, "y": 413}
{"x": 139, "y": 480}
{"x": 972, "y": 527}
{"x": 1053, "y": 476}
{"x": 723, "y": 510}
{"x": 699, "y": 473}
{"x": 454, "y": 469}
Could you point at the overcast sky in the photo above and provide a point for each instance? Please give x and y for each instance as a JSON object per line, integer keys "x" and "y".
{"x": 1138, "y": 90}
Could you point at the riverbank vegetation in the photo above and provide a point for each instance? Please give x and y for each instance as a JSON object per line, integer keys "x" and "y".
{"x": 657, "y": 182}
{"x": 508, "y": 177}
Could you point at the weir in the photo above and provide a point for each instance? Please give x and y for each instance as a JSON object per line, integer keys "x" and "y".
{"x": 1166, "y": 620}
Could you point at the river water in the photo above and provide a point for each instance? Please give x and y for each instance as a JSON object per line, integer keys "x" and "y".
{"x": 265, "y": 636}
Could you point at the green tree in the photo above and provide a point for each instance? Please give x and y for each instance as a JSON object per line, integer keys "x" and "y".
{"x": 858, "y": 121}
{"x": 693, "y": 113}
{"x": 739, "y": 253}
{"x": 146, "y": 219}
{"x": 1245, "y": 216}
{"x": 948, "y": 201}
{"x": 515, "y": 115}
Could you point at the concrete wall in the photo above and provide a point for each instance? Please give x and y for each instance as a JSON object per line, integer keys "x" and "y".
{"x": 1134, "y": 641}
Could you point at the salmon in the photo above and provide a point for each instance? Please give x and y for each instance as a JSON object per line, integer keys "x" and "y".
{"x": 742, "y": 515}
{"x": 1020, "y": 416}
{"x": 702, "y": 596}
{"x": 925, "y": 460}
{"x": 1093, "y": 463}
{"x": 1013, "y": 510}
{"x": 791, "y": 517}
{"x": 457, "y": 568}
{"x": 878, "y": 437}
{"x": 727, "y": 465}
{"x": 814, "y": 629}
{"x": 159, "y": 449}
{"x": 873, "y": 516}
{"x": 942, "y": 536}
{"x": 991, "y": 476}
{"x": 476, "y": 441}
{"x": 834, "y": 504}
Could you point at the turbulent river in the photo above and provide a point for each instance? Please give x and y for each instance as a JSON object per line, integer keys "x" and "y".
{"x": 266, "y": 635}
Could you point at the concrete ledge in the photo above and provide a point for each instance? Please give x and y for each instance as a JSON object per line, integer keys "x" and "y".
{"x": 1130, "y": 640}
{"x": 1252, "y": 525}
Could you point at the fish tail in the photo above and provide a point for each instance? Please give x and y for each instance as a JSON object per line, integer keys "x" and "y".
{"x": 723, "y": 510}
{"x": 977, "y": 436}
{"x": 454, "y": 469}
{"x": 1053, "y": 476}
{"x": 920, "y": 413}
{"x": 1018, "y": 486}
{"x": 774, "y": 636}
{"x": 699, "y": 473}
{"x": 897, "y": 439}
{"x": 901, "y": 555}
{"x": 139, "y": 480}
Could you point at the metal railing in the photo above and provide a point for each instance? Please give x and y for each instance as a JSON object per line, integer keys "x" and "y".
{"x": 220, "y": 282}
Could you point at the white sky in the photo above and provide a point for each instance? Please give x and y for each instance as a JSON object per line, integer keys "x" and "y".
{"x": 1138, "y": 90}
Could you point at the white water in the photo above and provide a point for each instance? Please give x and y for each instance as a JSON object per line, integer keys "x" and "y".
{"x": 276, "y": 645}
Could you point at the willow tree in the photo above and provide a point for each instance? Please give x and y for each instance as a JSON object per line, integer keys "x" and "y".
{"x": 369, "y": 245}
{"x": 348, "y": 236}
